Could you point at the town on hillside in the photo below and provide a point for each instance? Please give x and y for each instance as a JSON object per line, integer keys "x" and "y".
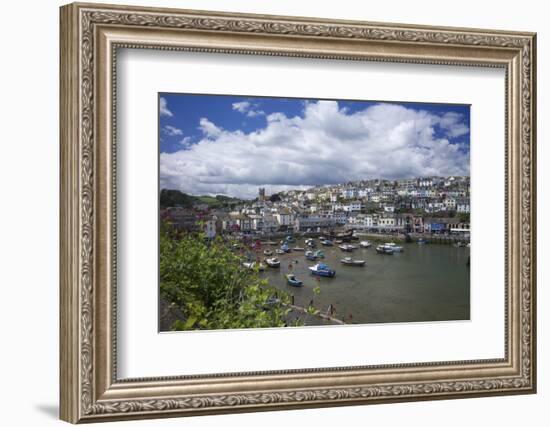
{"x": 427, "y": 205}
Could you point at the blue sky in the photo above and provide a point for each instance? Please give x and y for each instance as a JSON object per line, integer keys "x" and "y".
{"x": 216, "y": 144}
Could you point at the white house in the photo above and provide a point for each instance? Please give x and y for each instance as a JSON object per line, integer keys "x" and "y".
{"x": 354, "y": 206}
{"x": 349, "y": 193}
{"x": 284, "y": 217}
{"x": 463, "y": 205}
{"x": 210, "y": 228}
{"x": 450, "y": 203}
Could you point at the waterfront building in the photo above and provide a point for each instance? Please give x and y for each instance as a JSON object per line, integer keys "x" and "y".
{"x": 386, "y": 222}
{"x": 284, "y": 217}
{"x": 270, "y": 224}
{"x": 305, "y": 223}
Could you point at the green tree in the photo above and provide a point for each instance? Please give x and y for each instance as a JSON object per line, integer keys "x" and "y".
{"x": 464, "y": 217}
{"x": 207, "y": 282}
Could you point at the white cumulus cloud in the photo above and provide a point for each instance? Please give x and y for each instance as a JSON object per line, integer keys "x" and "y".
{"x": 171, "y": 130}
{"x": 247, "y": 108}
{"x": 164, "y": 111}
{"x": 209, "y": 129}
{"x": 186, "y": 140}
{"x": 453, "y": 124}
{"x": 327, "y": 145}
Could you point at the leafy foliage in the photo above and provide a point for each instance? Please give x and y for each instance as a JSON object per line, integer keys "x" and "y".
{"x": 207, "y": 282}
{"x": 464, "y": 217}
{"x": 276, "y": 197}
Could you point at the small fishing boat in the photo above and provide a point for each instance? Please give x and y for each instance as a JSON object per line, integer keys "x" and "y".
{"x": 310, "y": 243}
{"x": 273, "y": 262}
{"x": 268, "y": 252}
{"x": 323, "y": 270}
{"x": 293, "y": 281}
{"x": 285, "y": 248}
{"x": 383, "y": 249}
{"x": 279, "y": 251}
{"x": 289, "y": 239}
{"x": 338, "y": 241}
{"x": 327, "y": 242}
{"x": 365, "y": 244}
{"x": 310, "y": 256}
{"x": 319, "y": 254}
{"x": 353, "y": 262}
{"x": 299, "y": 249}
{"x": 347, "y": 248}
{"x": 394, "y": 247}
{"x": 421, "y": 241}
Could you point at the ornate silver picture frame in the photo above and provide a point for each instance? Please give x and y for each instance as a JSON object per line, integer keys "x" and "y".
{"x": 91, "y": 390}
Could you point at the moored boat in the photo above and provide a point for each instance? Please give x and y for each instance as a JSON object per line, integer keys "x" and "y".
{"x": 319, "y": 254}
{"x": 285, "y": 248}
{"x": 310, "y": 243}
{"x": 353, "y": 262}
{"x": 297, "y": 248}
{"x": 383, "y": 249}
{"x": 393, "y": 247}
{"x": 268, "y": 252}
{"x": 421, "y": 241}
{"x": 273, "y": 262}
{"x": 293, "y": 281}
{"x": 347, "y": 247}
{"x": 327, "y": 242}
{"x": 310, "y": 255}
{"x": 323, "y": 270}
{"x": 279, "y": 251}
{"x": 365, "y": 244}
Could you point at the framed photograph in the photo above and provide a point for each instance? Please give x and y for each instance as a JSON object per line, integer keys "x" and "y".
{"x": 266, "y": 212}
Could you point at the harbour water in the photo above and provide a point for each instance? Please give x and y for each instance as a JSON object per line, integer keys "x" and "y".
{"x": 423, "y": 283}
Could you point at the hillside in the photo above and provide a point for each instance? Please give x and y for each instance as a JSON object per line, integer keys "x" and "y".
{"x": 173, "y": 198}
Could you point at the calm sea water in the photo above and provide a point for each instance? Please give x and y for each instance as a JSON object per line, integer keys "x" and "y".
{"x": 423, "y": 283}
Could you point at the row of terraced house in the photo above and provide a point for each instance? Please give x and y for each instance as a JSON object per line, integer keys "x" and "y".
{"x": 435, "y": 205}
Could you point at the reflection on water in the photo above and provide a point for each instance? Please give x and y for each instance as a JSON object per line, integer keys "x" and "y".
{"x": 423, "y": 283}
